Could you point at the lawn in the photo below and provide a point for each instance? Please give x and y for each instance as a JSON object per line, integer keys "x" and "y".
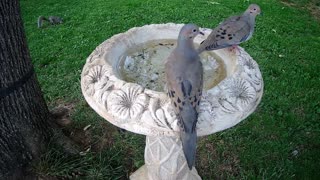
{"x": 280, "y": 140}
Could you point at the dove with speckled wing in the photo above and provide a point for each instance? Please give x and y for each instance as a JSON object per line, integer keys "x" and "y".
{"x": 232, "y": 31}
{"x": 184, "y": 76}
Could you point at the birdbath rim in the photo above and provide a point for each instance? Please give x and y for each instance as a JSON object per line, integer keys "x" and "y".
{"x": 144, "y": 111}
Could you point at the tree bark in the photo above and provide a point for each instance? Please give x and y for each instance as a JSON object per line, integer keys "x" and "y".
{"x": 24, "y": 115}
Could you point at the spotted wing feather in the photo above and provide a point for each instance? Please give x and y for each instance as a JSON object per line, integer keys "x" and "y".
{"x": 231, "y": 32}
{"x": 184, "y": 84}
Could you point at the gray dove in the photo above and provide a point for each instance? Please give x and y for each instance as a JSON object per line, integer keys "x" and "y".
{"x": 184, "y": 75}
{"x": 232, "y": 31}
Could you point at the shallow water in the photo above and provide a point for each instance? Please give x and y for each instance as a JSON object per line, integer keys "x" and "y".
{"x": 144, "y": 65}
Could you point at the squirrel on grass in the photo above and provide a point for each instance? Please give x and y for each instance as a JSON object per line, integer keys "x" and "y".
{"x": 52, "y": 19}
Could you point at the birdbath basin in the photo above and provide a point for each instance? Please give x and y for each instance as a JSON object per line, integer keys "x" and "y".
{"x": 123, "y": 81}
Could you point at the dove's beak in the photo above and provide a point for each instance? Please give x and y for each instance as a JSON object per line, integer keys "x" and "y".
{"x": 201, "y": 33}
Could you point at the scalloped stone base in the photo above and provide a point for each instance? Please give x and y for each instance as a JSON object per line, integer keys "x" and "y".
{"x": 142, "y": 174}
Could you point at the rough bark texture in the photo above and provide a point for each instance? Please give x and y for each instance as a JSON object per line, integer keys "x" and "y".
{"x": 23, "y": 112}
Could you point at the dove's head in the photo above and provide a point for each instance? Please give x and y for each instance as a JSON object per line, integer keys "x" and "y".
{"x": 189, "y": 31}
{"x": 254, "y": 9}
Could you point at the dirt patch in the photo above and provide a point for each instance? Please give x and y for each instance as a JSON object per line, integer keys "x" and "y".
{"x": 82, "y": 137}
{"x": 313, "y": 7}
{"x": 204, "y": 150}
{"x": 93, "y": 138}
{"x": 290, "y": 4}
{"x": 89, "y": 137}
{"x": 214, "y": 164}
{"x": 231, "y": 165}
{"x": 63, "y": 103}
{"x": 299, "y": 111}
{"x": 61, "y": 111}
{"x": 106, "y": 140}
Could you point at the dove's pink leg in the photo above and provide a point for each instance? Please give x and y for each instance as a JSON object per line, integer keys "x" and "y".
{"x": 234, "y": 48}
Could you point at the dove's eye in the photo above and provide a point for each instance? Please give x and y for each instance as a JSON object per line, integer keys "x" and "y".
{"x": 254, "y": 9}
{"x": 194, "y": 30}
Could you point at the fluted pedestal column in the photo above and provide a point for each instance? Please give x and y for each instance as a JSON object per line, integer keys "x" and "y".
{"x": 164, "y": 160}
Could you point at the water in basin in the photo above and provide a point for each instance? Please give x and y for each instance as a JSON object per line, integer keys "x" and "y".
{"x": 144, "y": 65}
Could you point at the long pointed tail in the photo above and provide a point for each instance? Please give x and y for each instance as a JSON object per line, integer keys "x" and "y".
{"x": 188, "y": 133}
{"x": 189, "y": 144}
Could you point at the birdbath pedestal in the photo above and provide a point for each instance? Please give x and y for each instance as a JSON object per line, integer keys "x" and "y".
{"x": 123, "y": 81}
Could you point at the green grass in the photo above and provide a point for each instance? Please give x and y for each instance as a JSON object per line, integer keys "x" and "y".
{"x": 107, "y": 164}
{"x": 286, "y": 46}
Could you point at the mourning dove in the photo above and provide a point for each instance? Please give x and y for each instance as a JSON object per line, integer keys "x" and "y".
{"x": 232, "y": 31}
{"x": 184, "y": 75}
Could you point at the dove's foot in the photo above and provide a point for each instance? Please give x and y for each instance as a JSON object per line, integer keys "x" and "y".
{"x": 234, "y": 49}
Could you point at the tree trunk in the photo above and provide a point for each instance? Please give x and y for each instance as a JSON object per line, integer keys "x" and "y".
{"x": 24, "y": 116}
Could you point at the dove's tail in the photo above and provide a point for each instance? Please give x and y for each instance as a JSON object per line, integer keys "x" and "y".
{"x": 189, "y": 144}
{"x": 188, "y": 133}
{"x": 211, "y": 43}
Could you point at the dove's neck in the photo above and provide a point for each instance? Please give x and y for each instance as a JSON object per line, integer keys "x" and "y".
{"x": 185, "y": 49}
{"x": 251, "y": 18}
{"x": 185, "y": 45}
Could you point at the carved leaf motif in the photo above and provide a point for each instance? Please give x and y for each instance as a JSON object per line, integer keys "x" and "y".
{"x": 93, "y": 78}
{"x": 207, "y": 110}
{"x": 128, "y": 102}
{"x": 239, "y": 92}
{"x": 158, "y": 113}
{"x": 250, "y": 71}
{"x": 248, "y": 62}
{"x": 208, "y": 104}
{"x": 103, "y": 89}
{"x": 255, "y": 79}
{"x": 227, "y": 106}
{"x": 97, "y": 53}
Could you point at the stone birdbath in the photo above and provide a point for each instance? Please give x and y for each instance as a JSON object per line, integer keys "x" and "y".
{"x": 123, "y": 81}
